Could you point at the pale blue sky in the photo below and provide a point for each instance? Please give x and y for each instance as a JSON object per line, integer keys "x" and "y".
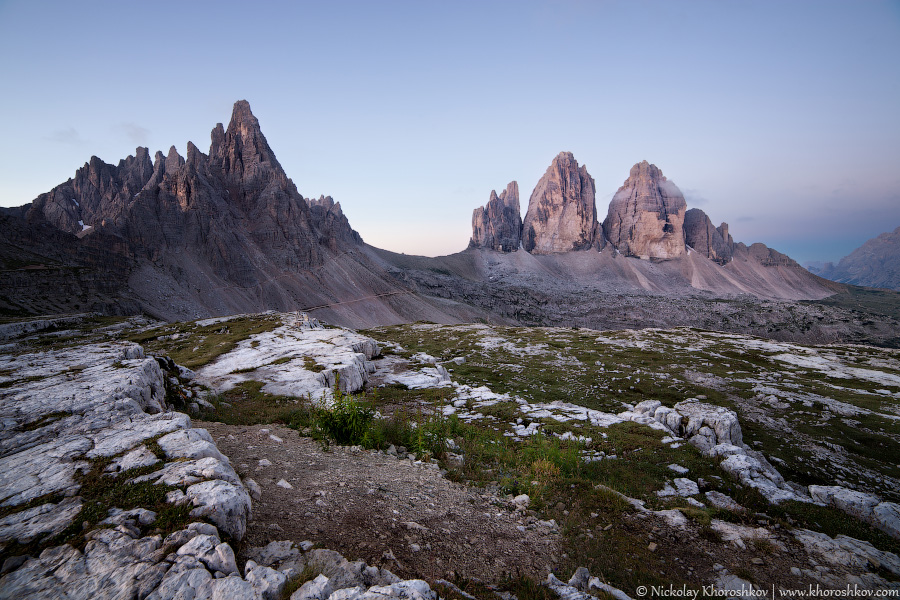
{"x": 781, "y": 118}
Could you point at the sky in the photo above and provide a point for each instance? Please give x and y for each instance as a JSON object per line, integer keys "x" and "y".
{"x": 781, "y": 118}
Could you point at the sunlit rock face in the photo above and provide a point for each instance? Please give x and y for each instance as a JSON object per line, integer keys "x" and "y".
{"x": 646, "y": 216}
{"x": 562, "y": 211}
{"x": 498, "y": 224}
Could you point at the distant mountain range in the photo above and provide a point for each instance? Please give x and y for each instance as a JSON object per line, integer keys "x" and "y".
{"x": 647, "y": 219}
{"x": 210, "y": 234}
{"x": 228, "y": 232}
{"x": 874, "y": 264}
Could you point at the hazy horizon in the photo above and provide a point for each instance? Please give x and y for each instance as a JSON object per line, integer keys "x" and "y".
{"x": 778, "y": 118}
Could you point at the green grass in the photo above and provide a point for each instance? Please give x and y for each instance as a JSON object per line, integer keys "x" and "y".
{"x": 573, "y": 366}
{"x": 249, "y": 405}
{"x": 198, "y": 345}
{"x": 308, "y": 363}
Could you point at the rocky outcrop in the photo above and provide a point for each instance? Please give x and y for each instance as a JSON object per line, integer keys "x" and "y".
{"x": 58, "y": 420}
{"x": 865, "y": 507}
{"x": 195, "y": 563}
{"x": 715, "y": 431}
{"x": 76, "y": 417}
{"x": 332, "y": 226}
{"x": 562, "y": 211}
{"x": 874, "y": 264}
{"x": 646, "y": 216}
{"x": 715, "y": 243}
{"x": 498, "y": 224}
{"x": 843, "y": 551}
{"x": 279, "y": 358}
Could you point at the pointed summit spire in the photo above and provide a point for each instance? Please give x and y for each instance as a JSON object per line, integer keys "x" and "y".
{"x": 562, "y": 210}
{"x": 243, "y": 156}
{"x": 173, "y": 161}
{"x": 244, "y": 124}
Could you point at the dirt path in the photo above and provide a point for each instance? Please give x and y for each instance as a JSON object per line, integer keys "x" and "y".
{"x": 374, "y": 507}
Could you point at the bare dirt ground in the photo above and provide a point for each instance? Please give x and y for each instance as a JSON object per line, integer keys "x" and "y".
{"x": 373, "y": 507}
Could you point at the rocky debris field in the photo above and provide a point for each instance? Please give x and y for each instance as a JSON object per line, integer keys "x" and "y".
{"x": 649, "y": 457}
{"x": 513, "y": 294}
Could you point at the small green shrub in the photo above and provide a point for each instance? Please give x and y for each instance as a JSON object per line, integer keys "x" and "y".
{"x": 346, "y": 421}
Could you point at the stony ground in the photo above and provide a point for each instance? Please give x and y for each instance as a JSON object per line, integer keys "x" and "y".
{"x": 408, "y": 518}
{"x": 388, "y": 512}
{"x": 520, "y": 295}
{"x": 823, "y": 414}
{"x": 559, "y": 414}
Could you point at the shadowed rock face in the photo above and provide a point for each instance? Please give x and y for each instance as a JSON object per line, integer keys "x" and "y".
{"x": 715, "y": 243}
{"x": 330, "y": 222}
{"x": 99, "y": 191}
{"x": 498, "y": 224}
{"x": 562, "y": 211}
{"x": 234, "y": 208}
{"x": 646, "y": 216}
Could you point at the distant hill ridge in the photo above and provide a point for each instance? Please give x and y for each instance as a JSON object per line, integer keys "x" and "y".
{"x": 874, "y": 264}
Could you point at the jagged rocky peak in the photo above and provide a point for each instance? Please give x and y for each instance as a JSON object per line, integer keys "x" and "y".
{"x": 723, "y": 231}
{"x": 331, "y": 223}
{"x": 646, "y": 216}
{"x": 235, "y": 210}
{"x": 325, "y": 202}
{"x": 562, "y": 211}
{"x": 242, "y": 151}
{"x": 174, "y": 161}
{"x": 138, "y": 168}
{"x": 498, "y": 224}
{"x": 714, "y": 243}
{"x": 94, "y": 194}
